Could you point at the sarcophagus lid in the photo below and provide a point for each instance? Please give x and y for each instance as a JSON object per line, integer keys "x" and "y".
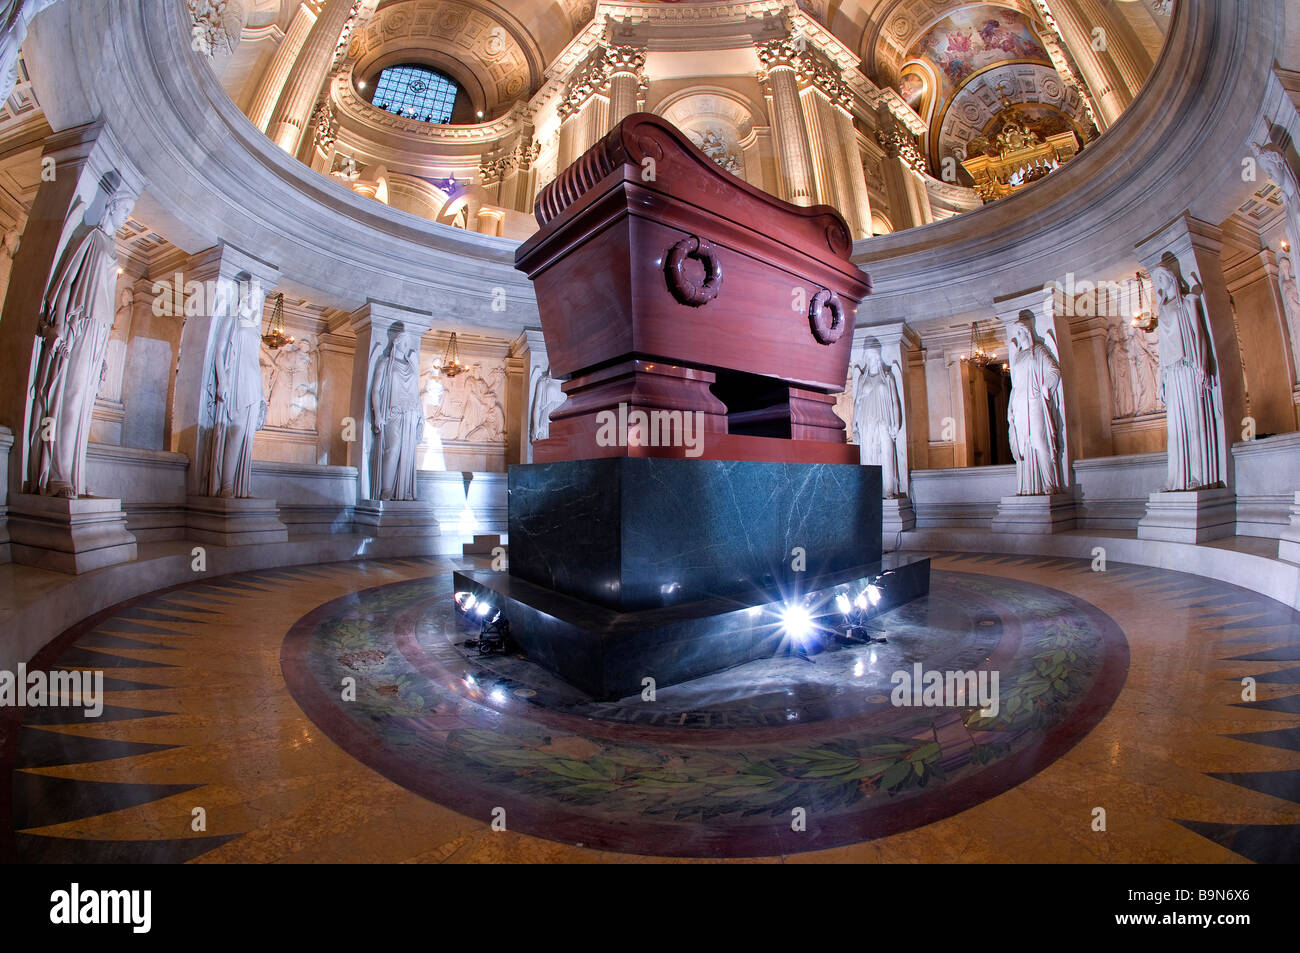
{"x": 648, "y": 249}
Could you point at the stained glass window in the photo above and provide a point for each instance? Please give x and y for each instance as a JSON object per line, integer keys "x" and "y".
{"x": 416, "y": 91}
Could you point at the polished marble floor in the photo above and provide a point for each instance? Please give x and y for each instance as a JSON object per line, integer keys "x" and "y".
{"x": 1121, "y": 690}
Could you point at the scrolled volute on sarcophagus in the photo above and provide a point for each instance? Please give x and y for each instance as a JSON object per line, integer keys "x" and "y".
{"x": 667, "y": 284}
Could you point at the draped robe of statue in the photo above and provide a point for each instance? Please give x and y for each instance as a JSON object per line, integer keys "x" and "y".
{"x": 877, "y": 419}
{"x": 1117, "y": 363}
{"x": 1187, "y": 385}
{"x": 547, "y": 397}
{"x": 397, "y": 422}
{"x": 239, "y": 404}
{"x": 15, "y": 15}
{"x": 76, "y": 318}
{"x": 1033, "y": 416}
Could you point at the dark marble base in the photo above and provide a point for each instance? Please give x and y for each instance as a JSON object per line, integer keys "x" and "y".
{"x": 608, "y": 654}
{"x": 638, "y": 534}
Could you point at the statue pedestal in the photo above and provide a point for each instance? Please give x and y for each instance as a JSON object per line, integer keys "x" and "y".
{"x": 384, "y": 518}
{"x": 228, "y": 522}
{"x": 72, "y": 536}
{"x": 896, "y": 516}
{"x": 1288, "y": 546}
{"x": 622, "y": 569}
{"x": 1039, "y": 515}
{"x": 1189, "y": 516}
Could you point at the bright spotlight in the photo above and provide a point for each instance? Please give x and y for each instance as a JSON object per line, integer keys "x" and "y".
{"x": 797, "y": 622}
{"x": 482, "y": 609}
{"x": 842, "y": 603}
{"x": 465, "y": 601}
{"x": 873, "y": 593}
{"x": 861, "y": 601}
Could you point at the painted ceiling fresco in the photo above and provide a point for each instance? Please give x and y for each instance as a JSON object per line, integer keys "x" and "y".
{"x": 973, "y": 39}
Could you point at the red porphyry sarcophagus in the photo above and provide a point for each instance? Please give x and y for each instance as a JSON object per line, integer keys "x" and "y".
{"x": 665, "y": 284}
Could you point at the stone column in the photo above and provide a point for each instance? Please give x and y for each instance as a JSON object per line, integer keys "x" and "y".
{"x": 1192, "y": 250}
{"x": 567, "y": 148}
{"x": 823, "y": 146}
{"x": 780, "y": 61}
{"x": 895, "y": 340}
{"x": 214, "y": 280}
{"x": 277, "y": 74}
{"x": 65, "y": 534}
{"x": 595, "y": 122}
{"x": 627, "y": 70}
{"x": 1127, "y": 54}
{"x": 292, "y": 112}
{"x": 1038, "y": 311}
{"x": 374, "y": 324}
{"x": 1110, "y": 93}
{"x": 858, "y": 201}
{"x": 909, "y": 202}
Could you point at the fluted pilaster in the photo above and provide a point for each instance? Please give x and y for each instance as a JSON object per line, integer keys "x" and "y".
{"x": 780, "y": 61}
{"x": 272, "y": 84}
{"x": 301, "y": 90}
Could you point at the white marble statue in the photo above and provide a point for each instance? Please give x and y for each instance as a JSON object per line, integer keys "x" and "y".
{"x": 1034, "y": 419}
{"x": 1144, "y": 358}
{"x": 1286, "y": 282}
{"x": 76, "y": 317}
{"x": 483, "y": 419}
{"x": 291, "y": 387}
{"x": 878, "y": 418}
{"x": 397, "y": 419}
{"x": 547, "y": 397}
{"x": 1188, "y": 381}
{"x": 1119, "y": 367}
{"x": 110, "y": 388}
{"x": 15, "y": 16}
{"x": 1275, "y": 165}
{"x": 238, "y": 408}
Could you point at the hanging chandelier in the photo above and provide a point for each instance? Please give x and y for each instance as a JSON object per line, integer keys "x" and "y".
{"x": 451, "y": 365}
{"x": 978, "y": 357}
{"x": 275, "y": 338}
{"x": 1144, "y": 316}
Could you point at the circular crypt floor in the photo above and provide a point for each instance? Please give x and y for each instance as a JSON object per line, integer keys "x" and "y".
{"x": 1119, "y": 690}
